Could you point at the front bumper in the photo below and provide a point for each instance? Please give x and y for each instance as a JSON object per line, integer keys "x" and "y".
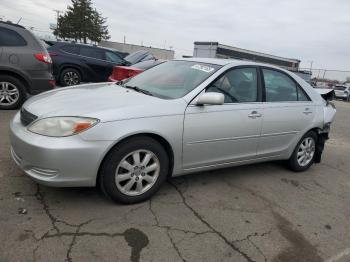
{"x": 61, "y": 162}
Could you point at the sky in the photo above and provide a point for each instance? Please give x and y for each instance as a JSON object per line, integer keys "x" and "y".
{"x": 316, "y": 31}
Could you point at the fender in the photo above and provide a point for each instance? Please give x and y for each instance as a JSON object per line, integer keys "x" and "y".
{"x": 22, "y": 74}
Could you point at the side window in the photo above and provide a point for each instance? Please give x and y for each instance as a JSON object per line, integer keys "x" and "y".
{"x": 237, "y": 85}
{"x": 11, "y": 38}
{"x": 71, "y": 49}
{"x": 92, "y": 52}
{"x": 112, "y": 57}
{"x": 279, "y": 87}
{"x": 302, "y": 96}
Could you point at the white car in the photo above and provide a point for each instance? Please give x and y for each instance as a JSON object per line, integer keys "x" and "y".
{"x": 179, "y": 117}
{"x": 342, "y": 92}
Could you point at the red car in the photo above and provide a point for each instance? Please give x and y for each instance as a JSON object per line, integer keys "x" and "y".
{"x": 124, "y": 72}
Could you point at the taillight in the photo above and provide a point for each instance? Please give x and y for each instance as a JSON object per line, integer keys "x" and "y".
{"x": 43, "y": 58}
{"x": 122, "y": 72}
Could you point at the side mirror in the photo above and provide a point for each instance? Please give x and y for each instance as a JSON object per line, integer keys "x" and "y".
{"x": 211, "y": 98}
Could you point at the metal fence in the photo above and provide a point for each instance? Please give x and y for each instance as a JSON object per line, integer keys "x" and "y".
{"x": 333, "y": 75}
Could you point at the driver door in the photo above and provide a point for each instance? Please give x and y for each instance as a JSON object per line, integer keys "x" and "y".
{"x": 228, "y": 133}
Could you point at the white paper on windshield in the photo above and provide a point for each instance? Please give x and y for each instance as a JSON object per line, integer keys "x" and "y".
{"x": 203, "y": 68}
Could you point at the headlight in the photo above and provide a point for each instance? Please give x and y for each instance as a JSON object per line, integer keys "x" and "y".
{"x": 61, "y": 126}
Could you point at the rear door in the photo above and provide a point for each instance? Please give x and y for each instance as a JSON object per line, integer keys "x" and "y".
{"x": 288, "y": 111}
{"x": 94, "y": 58}
{"x": 222, "y": 134}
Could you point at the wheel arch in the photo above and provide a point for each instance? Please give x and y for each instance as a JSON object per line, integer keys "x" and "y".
{"x": 20, "y": 77}
{"x": 164, "y": 142}
{"x": 66, "y": 66}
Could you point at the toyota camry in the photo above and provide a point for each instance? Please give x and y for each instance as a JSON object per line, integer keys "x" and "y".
{"x": 179, "y": 117}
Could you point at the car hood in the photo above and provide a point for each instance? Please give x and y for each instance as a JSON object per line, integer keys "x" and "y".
{"x": 105, "y": 101}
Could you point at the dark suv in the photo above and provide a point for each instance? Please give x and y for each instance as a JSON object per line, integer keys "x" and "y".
{"x": 74, "y": 63}
{"x": 25, "y": 66}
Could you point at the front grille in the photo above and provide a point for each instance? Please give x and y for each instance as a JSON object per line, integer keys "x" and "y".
{"x": 26, "y": 117}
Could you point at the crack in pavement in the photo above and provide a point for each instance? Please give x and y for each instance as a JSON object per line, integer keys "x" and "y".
{"x": 135, "y": 238}
{"x": 73, "y": 242}
{"x": 256, "y": 234}
{"x": 235, "y": 248}
{"x": 40, "y": 196}
{"x": 169, "y": 228}
{"x": 167, "y": 231}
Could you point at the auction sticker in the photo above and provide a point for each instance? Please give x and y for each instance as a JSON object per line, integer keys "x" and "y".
{"x": 203, "y": 68}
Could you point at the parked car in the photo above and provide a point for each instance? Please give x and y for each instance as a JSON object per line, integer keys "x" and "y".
{"x": 342, "y": 92}
{"x": 25, "y": 66}
{"x": 180, "y": 117}
{"x": 124, "y": 72}
{"x": 75, "y": 63}
{"x": 139, "y": 56}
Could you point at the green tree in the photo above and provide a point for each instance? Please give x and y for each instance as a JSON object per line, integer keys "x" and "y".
{"x": 82, "y": 22}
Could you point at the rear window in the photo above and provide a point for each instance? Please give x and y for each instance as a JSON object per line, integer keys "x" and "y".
{"x": 71, "y": 49}
{"x": 92, "y": 52}
{"x": 11, "y": 38}
{"x": 341, "y": 88}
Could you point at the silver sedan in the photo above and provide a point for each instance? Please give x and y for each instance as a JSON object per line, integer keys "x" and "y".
{"x": 179, "y": 117}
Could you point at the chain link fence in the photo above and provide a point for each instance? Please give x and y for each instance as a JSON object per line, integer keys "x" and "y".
{"x": 328, "y": 77}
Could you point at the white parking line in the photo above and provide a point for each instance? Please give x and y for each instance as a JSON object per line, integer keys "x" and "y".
{"x": 340, "y": 255}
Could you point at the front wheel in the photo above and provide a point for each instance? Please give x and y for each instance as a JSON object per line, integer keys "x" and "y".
{"x": 134, "y": 170}
{"x": 304, "y": 153}
{"x": 12, "y": 92}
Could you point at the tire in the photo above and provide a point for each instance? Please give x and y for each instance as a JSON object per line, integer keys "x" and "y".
{"x": 137, "y": 182}
{"x": 70, "y": 77}
{"x": 303, "y": 158}
{"x": 12, "y": 92}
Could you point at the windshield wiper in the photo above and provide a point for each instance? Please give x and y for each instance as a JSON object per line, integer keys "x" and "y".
{"x": 137, "y": 89}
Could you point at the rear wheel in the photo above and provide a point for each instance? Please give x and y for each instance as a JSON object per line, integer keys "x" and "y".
{"x": 304, "y": 153}
{"x": 70, "y": 77}
{"x": 134, "y": 170}
{"x": 12, "y": 92}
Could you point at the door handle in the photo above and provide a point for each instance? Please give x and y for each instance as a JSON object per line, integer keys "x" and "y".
{"x": 254, "y": 114}
{"x": 307, "y": 111}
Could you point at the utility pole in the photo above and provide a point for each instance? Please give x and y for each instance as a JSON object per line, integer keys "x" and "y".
{"x": 57, "y": 17}
{"x": 311, "y": 62}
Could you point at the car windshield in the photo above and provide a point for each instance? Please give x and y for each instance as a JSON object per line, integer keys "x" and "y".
{"x": 136, "y": 56}
{"x": 173, "y": 79}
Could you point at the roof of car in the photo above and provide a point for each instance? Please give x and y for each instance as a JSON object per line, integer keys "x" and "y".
{"x": 223, "y": 62}
{"x": 11, "y": 24}
{"x": 81, "y": 44}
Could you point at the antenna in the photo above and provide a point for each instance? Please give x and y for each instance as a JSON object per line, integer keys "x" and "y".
{"x": 19, "y": 20}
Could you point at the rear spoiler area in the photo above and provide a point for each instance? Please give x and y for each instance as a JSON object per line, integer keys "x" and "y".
{"x": 327, "y": 94}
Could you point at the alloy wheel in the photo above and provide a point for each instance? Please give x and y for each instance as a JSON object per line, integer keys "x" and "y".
{"x": 71, "y": 78}
{"x": 306, "y": 151}
{"x": 9, "y": 94}
{"x": 137, "y": 172}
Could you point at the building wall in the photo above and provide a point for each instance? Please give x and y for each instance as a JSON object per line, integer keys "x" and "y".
{"x": 216, "y": 50}
{"x": 129, "y": 48}
{"x": 205, "y": 51}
